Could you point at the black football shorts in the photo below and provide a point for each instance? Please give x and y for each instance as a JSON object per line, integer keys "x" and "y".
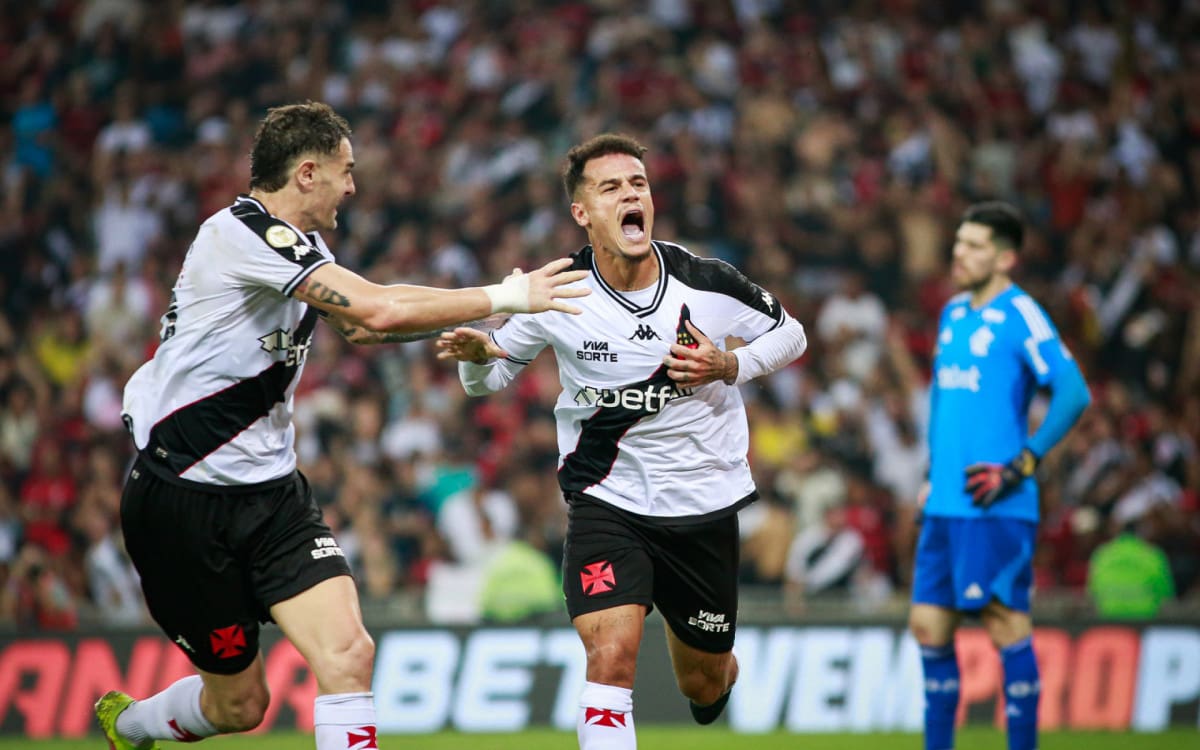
{"x": 213, "y": 560}
{"x": 687, "y": 569}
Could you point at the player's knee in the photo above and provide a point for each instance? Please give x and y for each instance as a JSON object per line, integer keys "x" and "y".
{"x": 924, "y": 632}
{"x": 241, "y": 712}
{"x": 700, "y": 688}
{"x": 705, "y": 683}
{"x": 348, "y": 664}
{"x": 612, "y": 663}
{"x": 1005, "y": 627}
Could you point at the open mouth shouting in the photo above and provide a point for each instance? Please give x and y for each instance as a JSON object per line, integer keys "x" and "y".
{"x": 633, "y": 225}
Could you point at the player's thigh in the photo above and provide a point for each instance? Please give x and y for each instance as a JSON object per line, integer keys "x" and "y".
{"x": 606, "y": 560}
{"x": 933, "y": 565}
{"x": 932, "y": 625}
{"x": 294, "y": 549}
{"x": 301, "y": 577}
{"x": 703, "y": 674}
{"x": 611, "y": 638}
{"x": 695, "y": 581}
{"x": 195, "y": 586}
{"x": 1005, "y": 626}
{"x": 324, "y": 623}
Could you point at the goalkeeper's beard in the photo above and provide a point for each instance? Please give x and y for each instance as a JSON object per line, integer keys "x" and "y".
{"x": 977, "y": 286}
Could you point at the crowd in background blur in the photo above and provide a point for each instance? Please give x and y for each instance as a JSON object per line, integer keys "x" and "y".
{"x": 828, "y": 147}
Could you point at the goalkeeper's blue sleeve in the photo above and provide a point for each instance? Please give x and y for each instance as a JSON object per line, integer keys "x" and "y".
{"x": 1069, "y": 396}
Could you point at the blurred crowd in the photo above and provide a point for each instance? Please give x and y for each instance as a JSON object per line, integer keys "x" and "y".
{"x": 825, "y": 148}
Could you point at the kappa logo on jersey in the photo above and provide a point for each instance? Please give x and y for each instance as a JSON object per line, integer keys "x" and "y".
{"x": 362, "y": 738}
{"x": 179, "y": 734}
{"x": 644, "y": 333}
{"x": 651, "y": 398}
{"x": 981, "y": 341}
{"x": 603, "y": 717}
{"x": 974, "y": 591}
{"x": 228, "y": 642}
{"x": 280, "y": 340}
{"x": 768, "y": 300}
{"x": 597, "y": 578}
{"x": 183, "y": 643}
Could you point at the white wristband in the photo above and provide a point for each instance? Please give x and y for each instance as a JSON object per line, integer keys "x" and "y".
{"x": 510, "y": 295}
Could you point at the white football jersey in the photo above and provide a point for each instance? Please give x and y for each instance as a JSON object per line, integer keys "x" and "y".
{"x": 214, "y": 405}
{"x": 627, "y": 435}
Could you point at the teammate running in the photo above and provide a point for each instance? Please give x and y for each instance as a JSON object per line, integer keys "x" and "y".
{"x": 221, "y": 526}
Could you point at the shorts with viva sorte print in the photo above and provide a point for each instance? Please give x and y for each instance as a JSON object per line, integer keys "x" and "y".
{"x": 214, "y": 560}
{"x": 686, "y": 567}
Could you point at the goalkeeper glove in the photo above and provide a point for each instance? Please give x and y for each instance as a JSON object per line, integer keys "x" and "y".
{"x": 987, "y": 483}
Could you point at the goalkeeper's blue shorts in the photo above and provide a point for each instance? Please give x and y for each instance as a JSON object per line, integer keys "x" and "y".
{"x": 964, "y": 563}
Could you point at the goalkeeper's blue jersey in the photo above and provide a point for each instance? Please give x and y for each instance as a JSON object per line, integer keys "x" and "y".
{"x": 987, "y": 365}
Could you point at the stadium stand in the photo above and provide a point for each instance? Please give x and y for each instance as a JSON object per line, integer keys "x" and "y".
{"x": 828, "y": 146}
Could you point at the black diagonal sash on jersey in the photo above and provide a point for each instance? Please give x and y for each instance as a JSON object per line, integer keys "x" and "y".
{"x": 599, "y": 439}
{"x": 187, "y": 435}
{"x": 600, "y": 434}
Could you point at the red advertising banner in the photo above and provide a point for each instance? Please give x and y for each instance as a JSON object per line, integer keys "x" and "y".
{"x": 801, "y": 679}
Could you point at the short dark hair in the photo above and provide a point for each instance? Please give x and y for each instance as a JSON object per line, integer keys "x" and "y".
{"x": 1008, "y": 228}
{"x": 291, "y": 131}
{"x": 594, "y": 148}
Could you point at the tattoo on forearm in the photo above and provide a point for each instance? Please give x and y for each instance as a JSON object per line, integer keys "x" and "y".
{"x": 403, "y": 338}
{"x": 326, "y": 294}
{"x": 358, "y": 335}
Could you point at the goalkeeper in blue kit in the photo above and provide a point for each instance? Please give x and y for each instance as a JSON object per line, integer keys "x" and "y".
{"x": 995, "y": 348}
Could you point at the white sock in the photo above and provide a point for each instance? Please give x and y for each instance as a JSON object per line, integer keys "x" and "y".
{"x": 174, "y": 714}
{"x": 606, "y": 718}
{"x": 345, "y": 721}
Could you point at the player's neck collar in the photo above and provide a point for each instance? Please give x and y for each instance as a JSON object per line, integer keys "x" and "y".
{"x": 659, "y": 286}
{"x": 990, "y": 296}
{"x": 247, "y": 199}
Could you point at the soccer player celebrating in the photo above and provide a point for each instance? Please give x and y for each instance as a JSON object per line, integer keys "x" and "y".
{"x": 221, "y": 526}
{"x": 995, "y": 348}
{"x": 652, "y": 436}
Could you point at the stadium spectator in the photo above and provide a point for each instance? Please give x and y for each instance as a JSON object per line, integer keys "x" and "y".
{"x": 1128, "y": 577}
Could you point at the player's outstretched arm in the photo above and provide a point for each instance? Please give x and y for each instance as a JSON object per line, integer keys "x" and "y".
{"x": 405, "y": 308}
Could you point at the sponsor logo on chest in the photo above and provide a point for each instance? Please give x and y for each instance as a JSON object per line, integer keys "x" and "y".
{"x": 596, "y": 351}
{"x": 280, "y": 340}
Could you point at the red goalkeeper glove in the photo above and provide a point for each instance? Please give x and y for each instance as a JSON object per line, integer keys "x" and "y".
{"x": 987, "y": 483}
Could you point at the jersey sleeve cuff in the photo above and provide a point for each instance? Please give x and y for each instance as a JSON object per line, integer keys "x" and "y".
{"x": 301, "y": 276}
